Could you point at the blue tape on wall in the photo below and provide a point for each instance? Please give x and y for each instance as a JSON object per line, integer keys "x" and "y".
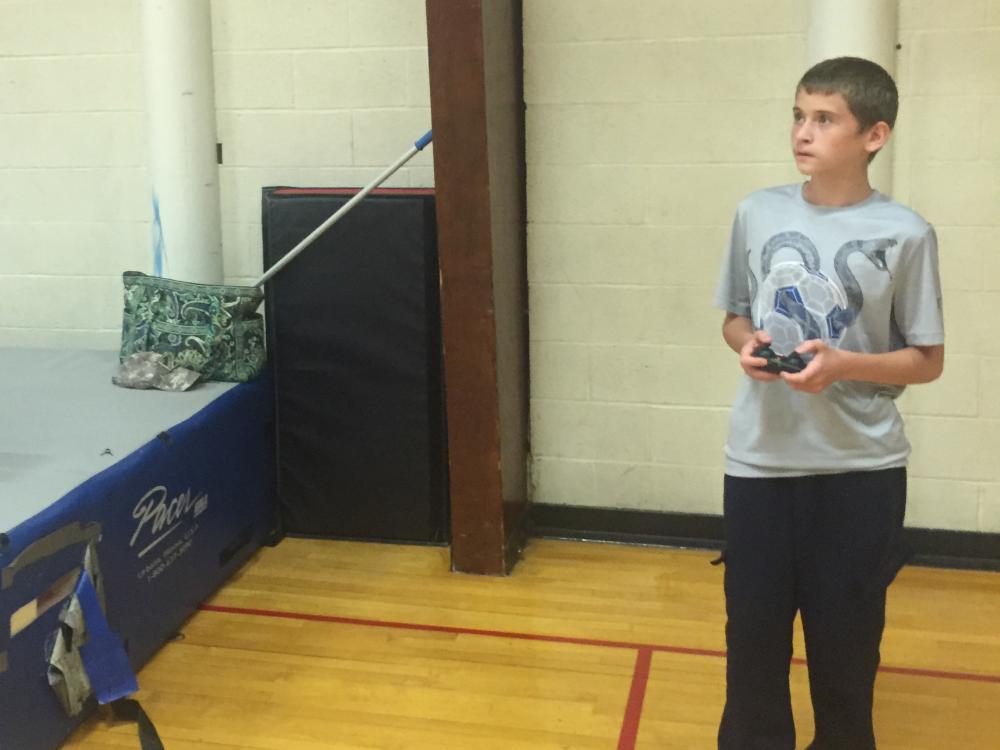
{"x": 104, "y": 657}
{"x": 159, "y": 248}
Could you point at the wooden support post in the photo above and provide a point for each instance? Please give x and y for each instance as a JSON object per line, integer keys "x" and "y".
{"x": 477, "y": 113}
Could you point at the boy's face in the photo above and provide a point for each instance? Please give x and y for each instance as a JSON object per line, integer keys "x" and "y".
{"x": 826, "y": 139}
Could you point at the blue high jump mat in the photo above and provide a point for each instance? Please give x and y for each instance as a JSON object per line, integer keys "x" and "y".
{"x": 120, "y": 511}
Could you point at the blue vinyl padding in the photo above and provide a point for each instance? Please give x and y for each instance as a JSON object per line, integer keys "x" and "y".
{"x": 104, "y": 658}
{"x": 178, "y": 516}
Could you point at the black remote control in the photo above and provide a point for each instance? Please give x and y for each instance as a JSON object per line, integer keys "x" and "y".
{"x": 780, "y": 363}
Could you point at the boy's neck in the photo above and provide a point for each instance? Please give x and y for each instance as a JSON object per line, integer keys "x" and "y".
{"x": 837, "y": 191}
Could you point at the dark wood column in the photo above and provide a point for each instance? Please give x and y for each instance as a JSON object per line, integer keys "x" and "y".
{"x": 477, "y": 113}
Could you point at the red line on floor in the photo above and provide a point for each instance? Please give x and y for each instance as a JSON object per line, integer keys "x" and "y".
{"x": 636, "y": 695}
{"x": 941, "y": 675}
{"x": 459, "y": 630}
{"x": 652, "y": 648}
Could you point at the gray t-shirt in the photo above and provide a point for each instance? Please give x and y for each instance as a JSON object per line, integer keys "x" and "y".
{"x": 863, "y": 278}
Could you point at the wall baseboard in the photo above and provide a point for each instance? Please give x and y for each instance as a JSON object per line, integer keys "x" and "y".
{"x": 937, "y": 548}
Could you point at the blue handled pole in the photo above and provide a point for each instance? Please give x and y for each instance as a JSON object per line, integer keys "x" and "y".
{"x": 414, "y": 149}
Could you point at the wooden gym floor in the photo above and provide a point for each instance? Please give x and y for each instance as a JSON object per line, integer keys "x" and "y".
{"x": 346, "y": 645}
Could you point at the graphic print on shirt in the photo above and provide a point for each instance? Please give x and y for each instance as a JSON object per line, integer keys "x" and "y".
{"x": 796, "y": 301}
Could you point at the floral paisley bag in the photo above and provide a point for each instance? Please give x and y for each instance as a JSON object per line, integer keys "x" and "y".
{"x": 212, "y": 329}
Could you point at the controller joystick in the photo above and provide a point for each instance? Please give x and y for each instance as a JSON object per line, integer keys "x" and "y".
{"x": 777, "y": 363}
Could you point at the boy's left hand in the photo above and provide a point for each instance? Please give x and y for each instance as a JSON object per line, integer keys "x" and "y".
{"x": 826, "y": 367}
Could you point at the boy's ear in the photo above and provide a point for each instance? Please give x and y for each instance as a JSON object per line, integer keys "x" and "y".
{"x": 877, "y": 136}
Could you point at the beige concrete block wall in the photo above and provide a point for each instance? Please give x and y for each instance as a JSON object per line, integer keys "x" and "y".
{"x": 324, "y": 93}
{"x": 646, "y": 123}
{"x": 948, "y": 168}
{"x": 314, "y": 94}
{"x": 73, "y": 182}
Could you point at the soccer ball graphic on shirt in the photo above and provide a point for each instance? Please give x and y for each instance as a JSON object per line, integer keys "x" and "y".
{"x": 797, "y": 302}
{"x": 793, "y": 305}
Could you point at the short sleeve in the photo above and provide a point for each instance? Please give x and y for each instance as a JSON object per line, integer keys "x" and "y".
{"x": 916, "y": 305}
{"x": 733, "y": 291}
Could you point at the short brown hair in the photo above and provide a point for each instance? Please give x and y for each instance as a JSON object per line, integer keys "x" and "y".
{"x": 866, "y": 86}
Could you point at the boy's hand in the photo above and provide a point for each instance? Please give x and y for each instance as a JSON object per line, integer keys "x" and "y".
{"x": 825, "y": 368}
{"x": 751, "y": 365}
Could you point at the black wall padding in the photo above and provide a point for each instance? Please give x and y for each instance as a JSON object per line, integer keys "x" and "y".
{"x": 354, "y": 336}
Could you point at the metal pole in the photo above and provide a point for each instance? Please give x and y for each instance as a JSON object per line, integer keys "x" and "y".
{"x": 417, "y": 147}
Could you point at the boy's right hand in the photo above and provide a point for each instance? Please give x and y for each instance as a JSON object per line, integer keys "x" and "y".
{"x": 751, "y": 365}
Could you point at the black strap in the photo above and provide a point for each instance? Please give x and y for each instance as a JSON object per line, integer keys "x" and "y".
{"x": 127, "y": 709}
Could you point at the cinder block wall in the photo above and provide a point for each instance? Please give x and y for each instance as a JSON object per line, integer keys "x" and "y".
{"x": 646, "y": 123}
{"x": 948, "y": 169}
{"x": 314, "y": 94}
{"x": 321, "y": 93}
{"x": 73, "y": 185}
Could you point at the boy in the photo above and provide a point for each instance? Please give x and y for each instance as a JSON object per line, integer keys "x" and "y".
{"x": 815, "y": 485}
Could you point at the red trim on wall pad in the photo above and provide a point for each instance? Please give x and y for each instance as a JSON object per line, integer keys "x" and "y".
{"x": 351, "y": 191}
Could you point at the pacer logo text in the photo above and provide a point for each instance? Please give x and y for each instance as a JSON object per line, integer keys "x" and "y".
{"x": 159, "y": 516}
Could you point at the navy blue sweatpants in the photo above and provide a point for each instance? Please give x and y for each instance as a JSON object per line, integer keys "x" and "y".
{"x": 826, "y": 546}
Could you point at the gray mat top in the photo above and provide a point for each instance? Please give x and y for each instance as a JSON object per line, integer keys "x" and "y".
{"x": 62, "y": 421}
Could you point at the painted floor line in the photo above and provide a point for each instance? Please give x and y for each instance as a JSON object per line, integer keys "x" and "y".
{"x": 653, "y": 648}
{"x": 636, "y": 696}
{"x": 643, "y": 664}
